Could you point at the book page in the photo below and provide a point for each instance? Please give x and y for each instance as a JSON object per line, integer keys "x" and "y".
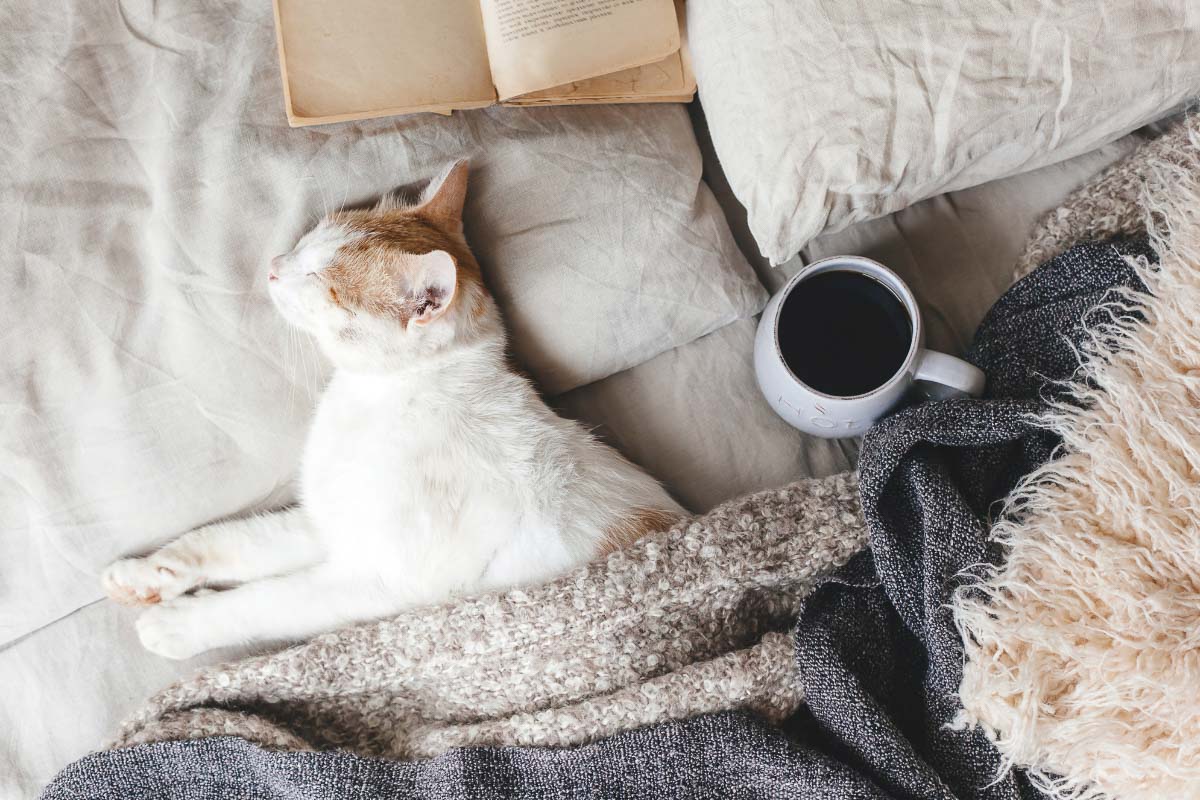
{"x": 669, "y": 80}
{"x": 662, "y": 78}
{"x": 539, "y": 44}
{"x": 358, "y": 58}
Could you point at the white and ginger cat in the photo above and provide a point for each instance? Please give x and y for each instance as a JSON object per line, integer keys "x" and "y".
{"x": 431, "y": 469}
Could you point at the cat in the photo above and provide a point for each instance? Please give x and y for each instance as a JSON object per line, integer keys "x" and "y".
{"x": 432, "y": 468}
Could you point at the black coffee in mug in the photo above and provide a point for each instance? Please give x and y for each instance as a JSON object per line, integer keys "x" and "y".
{"x": 844, "y": 333}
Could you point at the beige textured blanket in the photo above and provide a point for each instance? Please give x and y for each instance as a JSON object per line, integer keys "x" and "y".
{"x": 684, "y": 622}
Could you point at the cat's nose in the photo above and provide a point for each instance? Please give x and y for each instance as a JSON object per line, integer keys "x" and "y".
{"x": 276, "y": 268}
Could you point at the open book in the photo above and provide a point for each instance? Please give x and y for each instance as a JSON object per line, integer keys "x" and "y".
{"x": 354, "y": 59}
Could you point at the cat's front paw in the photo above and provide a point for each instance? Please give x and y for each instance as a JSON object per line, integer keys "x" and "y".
{"x": 141, "y": 582}
{"x": 169, "y": 630}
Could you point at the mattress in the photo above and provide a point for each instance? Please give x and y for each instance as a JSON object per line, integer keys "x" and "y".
{"x": 691, "y": 415}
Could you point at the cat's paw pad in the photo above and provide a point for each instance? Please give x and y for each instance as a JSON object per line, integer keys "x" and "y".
{"x": 169, "y": 631}
{"x": 140, "y": 582}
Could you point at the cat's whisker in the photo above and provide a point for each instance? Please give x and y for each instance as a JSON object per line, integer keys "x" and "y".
{"x": 287, "y": 364}
{"x": 302, "y": 364}
{"x": 292, "y": 365}
{"x": 307, "y": 352}
{"x": 316, "y": 362}
{"x": 324, "y": 199}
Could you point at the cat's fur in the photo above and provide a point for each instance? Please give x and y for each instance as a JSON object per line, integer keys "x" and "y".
{"x": 431, "y": 468}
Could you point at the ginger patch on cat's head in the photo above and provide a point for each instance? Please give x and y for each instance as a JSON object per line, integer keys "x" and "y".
{"x": 393, "y": 266}
{"x": 366, "y": 277}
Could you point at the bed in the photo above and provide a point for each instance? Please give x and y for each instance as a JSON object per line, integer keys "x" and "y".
{"x": 148, "y": 387}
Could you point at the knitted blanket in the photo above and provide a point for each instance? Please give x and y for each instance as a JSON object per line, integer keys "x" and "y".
{"x": 689, "y": 621}
{"x": 1115, "y": 201}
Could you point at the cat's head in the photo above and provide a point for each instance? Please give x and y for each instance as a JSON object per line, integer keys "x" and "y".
{"x": 383, "y": 287}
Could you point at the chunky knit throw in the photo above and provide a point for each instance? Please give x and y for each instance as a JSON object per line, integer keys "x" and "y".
{"x": 1114, "y": 201}
{"x": 689, "y": 621}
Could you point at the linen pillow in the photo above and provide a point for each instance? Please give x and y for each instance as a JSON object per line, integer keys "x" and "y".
{"x": 824, "y": 113}
{"x": 148, "y": 173}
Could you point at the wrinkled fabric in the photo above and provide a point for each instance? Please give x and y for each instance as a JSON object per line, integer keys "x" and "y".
{"x": 713, "y": 757}
{"x": 147, "y": 174}
{"x": 694, "y": 417}
{"x": 683, "y": 622}
{"x": 824, "y": 113}
{"x": 876, "y": 646}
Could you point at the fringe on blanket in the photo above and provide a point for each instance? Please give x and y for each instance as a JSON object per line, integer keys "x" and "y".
{"x": 1083, "y": 647}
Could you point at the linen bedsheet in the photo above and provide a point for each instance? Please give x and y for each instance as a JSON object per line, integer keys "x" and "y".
{"x": 146, "y": 386}
{"x": 692, "y": 416}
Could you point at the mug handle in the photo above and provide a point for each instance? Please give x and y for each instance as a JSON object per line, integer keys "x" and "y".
{"x": 946, "y": 376}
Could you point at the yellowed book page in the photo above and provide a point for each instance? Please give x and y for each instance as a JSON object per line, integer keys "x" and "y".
{"x": 538, "y": 44}
{"x": 669, "y": 80}
{"x": 661, "y": 77}
{"x": 363, "y": 58}
{"x": 517, "y": 102}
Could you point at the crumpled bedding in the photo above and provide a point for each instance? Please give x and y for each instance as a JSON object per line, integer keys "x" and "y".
{"x": 147, "y": 169}
{"x": 638, "y": 635}
{"x": 147, "y": 385}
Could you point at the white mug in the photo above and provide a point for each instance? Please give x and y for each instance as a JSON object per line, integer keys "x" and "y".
{"x": 832, "y": 416}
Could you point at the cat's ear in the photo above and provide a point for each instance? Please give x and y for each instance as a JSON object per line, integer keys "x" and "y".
{"x": 431, "y": 286}
{"x": 445, "y": 195}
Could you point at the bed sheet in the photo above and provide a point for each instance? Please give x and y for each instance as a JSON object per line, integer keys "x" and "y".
{"x": 147, "y": 175}
{"x": 691, "y": 415}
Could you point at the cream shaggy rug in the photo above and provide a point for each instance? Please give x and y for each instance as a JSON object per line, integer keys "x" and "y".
{"x": 1083, "y": 648}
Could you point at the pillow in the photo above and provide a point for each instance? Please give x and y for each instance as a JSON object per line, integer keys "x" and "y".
{"x": 824, "y": 113}
{"x": 146, "y": 383}
{"x": 653, "y": 412}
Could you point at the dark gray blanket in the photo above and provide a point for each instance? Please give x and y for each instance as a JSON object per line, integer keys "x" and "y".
{"x": 875, "y": 645}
